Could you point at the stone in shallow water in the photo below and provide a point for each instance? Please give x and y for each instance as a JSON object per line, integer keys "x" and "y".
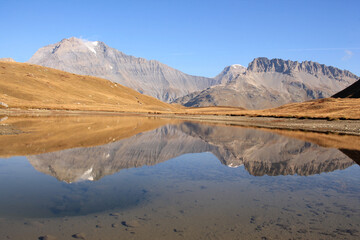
{"x": 115, "y": 214}
{"x": 79, "y": 236}
{"x": 47, "y": 237}
{"x": 132, "y": 223}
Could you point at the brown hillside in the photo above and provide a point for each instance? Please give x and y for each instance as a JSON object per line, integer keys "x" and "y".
{"x": 330, "y": 108}
{"x": 29, "y": 86}
{"x": 353, "y": 91}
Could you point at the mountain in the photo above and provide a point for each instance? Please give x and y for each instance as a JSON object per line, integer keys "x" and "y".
{"x": 353, "y": 91}
{"x": 29, "y": 86}
{"x": 271, "y": 83}
{"x": 261, "y": 153}
{"x": 97, "y": 59}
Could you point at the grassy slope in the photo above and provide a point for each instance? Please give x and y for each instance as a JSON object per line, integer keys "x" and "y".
{"x": 330, "y": 108}
{"x": 30, "y": 86}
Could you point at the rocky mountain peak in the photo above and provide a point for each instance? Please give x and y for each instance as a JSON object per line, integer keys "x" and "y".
{"x": 230, "y": 72}
{"x": 264, "y": 64}
{"x": 237, "y": 66}
{"x": 77, "y": 45}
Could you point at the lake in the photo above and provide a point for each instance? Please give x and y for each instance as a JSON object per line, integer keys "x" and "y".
{"x": 148, "y": 178}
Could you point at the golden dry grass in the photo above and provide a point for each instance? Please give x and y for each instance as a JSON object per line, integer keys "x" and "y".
{"x": 328, "y": 108}
{"x": 331, "y": 108}
{"x": 27, "y": 86}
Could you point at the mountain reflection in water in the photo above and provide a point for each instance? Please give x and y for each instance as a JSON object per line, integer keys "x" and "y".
{"x": 174, "y": 180}
{"x": 261, "y": 153}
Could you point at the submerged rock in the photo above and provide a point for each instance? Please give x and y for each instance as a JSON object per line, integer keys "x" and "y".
{"x": 79, "y": 236}
{"x": 47, "y": 237}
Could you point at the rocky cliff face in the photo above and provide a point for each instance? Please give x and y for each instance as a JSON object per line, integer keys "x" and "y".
{"x": 291, "y": 67}
{"x": 262, "y": 153}
{"x": 97, "y": 59}
{"x": 268, "y": 83}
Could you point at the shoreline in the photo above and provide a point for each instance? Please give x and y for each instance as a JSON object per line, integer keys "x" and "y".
{"x": 342, "y": 127}
{"x": 317, "y": 125}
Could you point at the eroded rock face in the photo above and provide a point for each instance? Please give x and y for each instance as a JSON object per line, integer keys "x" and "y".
{"x": 97, "y": 59}
{"x": 262, "y": 153}
{"x": 290, "y": 67}
{"x": 268, "y": 83}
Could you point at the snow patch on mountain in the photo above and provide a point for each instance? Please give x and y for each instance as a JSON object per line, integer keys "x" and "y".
{"x": 91, "y": 45}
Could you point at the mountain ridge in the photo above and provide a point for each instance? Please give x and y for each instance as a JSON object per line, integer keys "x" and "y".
{"x": 269, "y": 83}
{"x": 263, "y": 64}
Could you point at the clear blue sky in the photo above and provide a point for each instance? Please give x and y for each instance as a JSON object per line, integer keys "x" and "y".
{"x": 196, "y": 37}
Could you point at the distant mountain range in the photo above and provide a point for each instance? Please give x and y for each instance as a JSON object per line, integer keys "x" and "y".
{"x": 97, "y": 59}
{"x": 265, "y": 83}
{"x": 271, "y": 83}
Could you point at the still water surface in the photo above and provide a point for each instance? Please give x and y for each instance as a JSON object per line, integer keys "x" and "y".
{"x": 193, "y": 181}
